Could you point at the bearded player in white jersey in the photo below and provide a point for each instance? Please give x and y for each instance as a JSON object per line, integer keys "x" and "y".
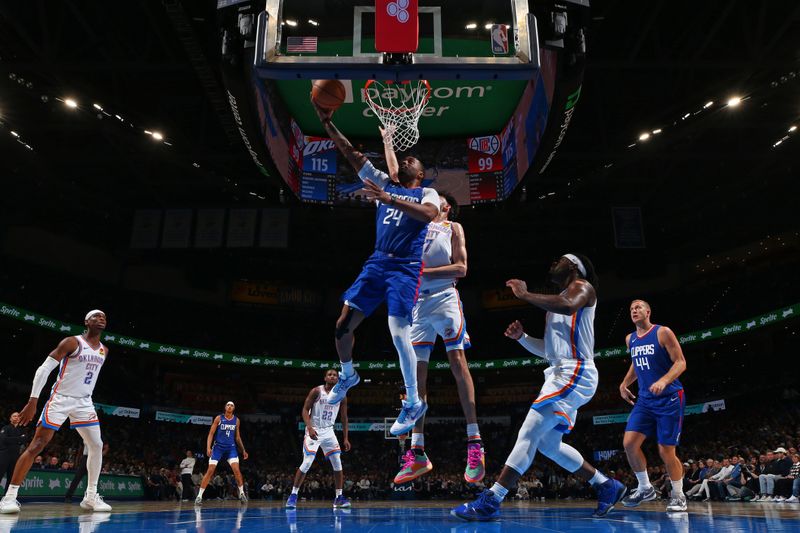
{"x": 79, "y": 359}
{"x": 570, "y": 382}
{"x": 439, "y": 312}
{"x": 319, "y": 416}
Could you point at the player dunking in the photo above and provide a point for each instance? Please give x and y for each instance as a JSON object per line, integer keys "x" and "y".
{"x": 570, "y": 382}
{"x": 656, "y": 362}
{"x": 392, "y": 272}
{"x": 80, "y": 360}
{"x": 225, "y": 435}
{"x": 439, "y": 312}
{"x": 320, "y": 416}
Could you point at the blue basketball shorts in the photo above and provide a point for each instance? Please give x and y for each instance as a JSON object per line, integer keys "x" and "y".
{"x": 660, "y": 417}
{"x": 395, "y": 280}
{"x": 223, "y": 453}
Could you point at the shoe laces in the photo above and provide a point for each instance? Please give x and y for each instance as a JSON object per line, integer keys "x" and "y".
{"x": 474, "y": 456}
{"x": 408, "y": 459}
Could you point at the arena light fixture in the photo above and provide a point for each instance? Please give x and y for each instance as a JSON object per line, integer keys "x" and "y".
{"x": 313, "y": 22}
{"x": 292, "y": 23}
{"x": 69, "y": 102}
{"x": 15, "y": 134}
{"x": 793, "y": 128}
{"x": 734, "y": 101}
{"x": 471, "y": 26}
{"x": 488, "y": 25}
{"x": 656, "y": 131}
{"x": 157, "y": 136}
{"x": 708, "y": 104}
{"x": 644, "y": 136}
{"x": 98, "y": 107}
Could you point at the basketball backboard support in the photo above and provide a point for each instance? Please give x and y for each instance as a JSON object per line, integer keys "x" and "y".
{"x": 272, "y": 62}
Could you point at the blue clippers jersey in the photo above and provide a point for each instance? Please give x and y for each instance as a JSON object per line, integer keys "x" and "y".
{"x": 397, "y": 233}
{"x": 226, "y": 432}
{"x": 651, "y": 362}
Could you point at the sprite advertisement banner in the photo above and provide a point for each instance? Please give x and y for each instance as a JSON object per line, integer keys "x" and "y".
{"x": 112, "y": 339}
{"x": 54, "y": 484}
{"x": 180, "y": 418}
{"x": 115, "y": 410}
{"x": 695, "y": 409}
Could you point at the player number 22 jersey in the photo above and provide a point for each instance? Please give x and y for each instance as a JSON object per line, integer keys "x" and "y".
{"x": 323, "y": 414}
{"x": 78, "y": 371}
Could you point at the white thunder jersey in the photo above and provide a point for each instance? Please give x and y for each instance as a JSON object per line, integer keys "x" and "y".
{"x": 78, "y": 372}
{"x": 570, "y": 336}
{"x": 438, "y": 251}
{"x": 323, "y": 414}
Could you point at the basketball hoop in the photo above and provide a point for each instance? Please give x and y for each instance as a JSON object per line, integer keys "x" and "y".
{"x": 398, "y": 106}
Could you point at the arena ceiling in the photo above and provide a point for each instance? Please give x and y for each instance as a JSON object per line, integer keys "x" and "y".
{"x": 707, "y": 182}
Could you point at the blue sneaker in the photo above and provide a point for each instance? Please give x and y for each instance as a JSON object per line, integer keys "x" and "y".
{"x": 339, "y": 391}
{"x": 609, "y": 494}
{"x": 484, "y": 509}
{"x": 408, "y": 418}
{"x": 635, "y": 498}
{"x": 291, "y": 503}
{"x": 341, "y": 502}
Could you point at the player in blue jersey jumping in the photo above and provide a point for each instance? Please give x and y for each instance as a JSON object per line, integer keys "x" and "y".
{"x": 656, "y": 362}
{"x": 225, "y": 435}
{"x": 393, "y": 271}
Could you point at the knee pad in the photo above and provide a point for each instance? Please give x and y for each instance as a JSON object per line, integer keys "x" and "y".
{"x": 336, "y": 462}
{"x": 308, "y": 460}
{"x": 344, "y": 328}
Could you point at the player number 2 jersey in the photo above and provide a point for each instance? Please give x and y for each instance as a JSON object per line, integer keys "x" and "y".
{"x": 651, "y": 362}
{"x": 323, "y": 414}
{"x": 437, "y": 251}
{"x": 78, "y": 371}
{"x": 396, "y": 233}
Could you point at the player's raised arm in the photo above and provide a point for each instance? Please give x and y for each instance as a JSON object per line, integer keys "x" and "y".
{"x": 211, "y": 433}
{"x": 67, "y": 346}
{"x": 578, "y": 295}
{"x": 356, "y": 158}
{"x": 669, "y": 341}
{"x": 313, "y": 394}
{"x": 532, "y": 344}
{"x": 388, "y": 153}
{"x": 239, "y": 442}
{"x": 345, "y": 428}
{"x": 458, "y": 267}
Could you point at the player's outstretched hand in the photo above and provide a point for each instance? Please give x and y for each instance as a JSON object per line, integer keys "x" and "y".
{"x": 346, "y": 445}
{"x": 627, "y": 395}
{"x": 312, "y": 433}
{"x": 514, "y": 330}
{"x": 245, "y": 455}
{"x": 27, "y": 413}
{"x": 323, "y": 114}
{"x": 373, "y": 192}
{"x": 518, "y": 287}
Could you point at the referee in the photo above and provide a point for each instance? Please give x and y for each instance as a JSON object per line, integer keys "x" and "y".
{"x": 12, "y": 437}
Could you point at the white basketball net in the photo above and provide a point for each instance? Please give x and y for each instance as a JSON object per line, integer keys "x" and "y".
{"x": 398, "y": 106}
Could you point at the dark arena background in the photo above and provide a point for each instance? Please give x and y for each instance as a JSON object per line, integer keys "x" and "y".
{"x": 161, "y": 161}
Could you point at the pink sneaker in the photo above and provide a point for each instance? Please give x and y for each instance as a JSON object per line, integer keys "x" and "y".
{"x": 413, "y": 466}
{"x": 476, "y": 463}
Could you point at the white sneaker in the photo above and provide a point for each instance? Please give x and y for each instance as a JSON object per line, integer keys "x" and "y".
{"x": 767, "y": 499}
{"x": 793, "y": 499}
{"x": 9, "y": 505}
{"x": 198, "y": 500}
{"x": 95, "y": 503}
{"x": 409, "y": 416}
{"x": 759, "y": 498}
{"x": 779, "y": 499}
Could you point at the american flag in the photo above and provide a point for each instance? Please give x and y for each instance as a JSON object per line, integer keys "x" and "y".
{"x": 295, "y": 45}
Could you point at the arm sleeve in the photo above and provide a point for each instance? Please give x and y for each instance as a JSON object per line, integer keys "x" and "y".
{"x": 430, "y": 196}
{"x": 42, "y": 373}
{"x": 379, "y": 177}
{"x": 533, "y": 345}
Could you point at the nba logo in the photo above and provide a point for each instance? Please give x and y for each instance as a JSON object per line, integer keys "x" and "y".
{"x": 499, "y": 39}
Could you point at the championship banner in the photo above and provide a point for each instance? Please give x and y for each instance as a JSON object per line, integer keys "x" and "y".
{"x": 129, "y": 412}
{"x": 29, "y": 317}
{"x": 54, "y": 484}
{"x": 695, "y": 409}
{"x": 180, "y": 418}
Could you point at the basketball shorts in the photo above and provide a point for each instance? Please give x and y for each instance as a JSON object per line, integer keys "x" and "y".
{"x": 223, "y": 453}
{"x": 568, "y": 385}
{"x": 326, "y": 438}
{"x": 395, "y": 280}
{"x": 660, "y": 417}
{"x": 58, "y": 408}
{"x": 439, "y": 314}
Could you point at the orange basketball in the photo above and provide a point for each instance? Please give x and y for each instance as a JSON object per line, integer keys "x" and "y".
{"x": 328, "y": 94}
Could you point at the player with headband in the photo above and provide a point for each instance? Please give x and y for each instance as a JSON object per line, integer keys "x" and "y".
{"x": 79, "y": 360}
{"x": 570, "y": 382}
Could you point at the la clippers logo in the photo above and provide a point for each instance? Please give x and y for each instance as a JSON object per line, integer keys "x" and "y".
{"x": 398, "y": 10}
{"x": 487, "y": 145}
